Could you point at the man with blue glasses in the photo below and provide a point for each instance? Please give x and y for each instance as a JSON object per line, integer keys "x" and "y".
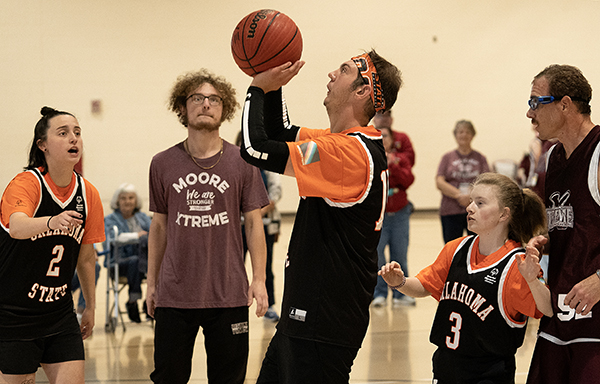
{"x": 568, "y": 346}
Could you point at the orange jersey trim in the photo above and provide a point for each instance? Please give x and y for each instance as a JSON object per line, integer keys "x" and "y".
{"x": 516, "y": 296}
{"x": 23, "y": 194}
{"x": 336, "y": 166}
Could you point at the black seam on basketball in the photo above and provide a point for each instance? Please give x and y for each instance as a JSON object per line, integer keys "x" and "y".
{"x": 282, "y": 49}
{"x": 263, "y": 36}
{"x": 244, "y": 43}
{"x": 252, "y": 66}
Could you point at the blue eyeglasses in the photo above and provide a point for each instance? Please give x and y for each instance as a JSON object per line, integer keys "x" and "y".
{"x": 535, "y": 101}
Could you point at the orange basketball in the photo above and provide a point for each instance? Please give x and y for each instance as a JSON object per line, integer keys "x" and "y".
{"x": 265, "y": 39}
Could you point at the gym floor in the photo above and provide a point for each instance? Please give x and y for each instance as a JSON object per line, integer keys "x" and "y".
{"x": 396, "y": 348}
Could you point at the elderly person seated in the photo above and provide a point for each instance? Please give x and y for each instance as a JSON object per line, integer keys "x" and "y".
{"x": 132, "y": 228}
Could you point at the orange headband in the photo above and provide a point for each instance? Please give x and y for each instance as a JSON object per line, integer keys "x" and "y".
{"x": 369, "y": 74}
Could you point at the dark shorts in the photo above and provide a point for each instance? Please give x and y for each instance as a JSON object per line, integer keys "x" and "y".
{"x": 290, "y": 360}
{"x": 450, "y": 367}
{"x": 25, "y": 357}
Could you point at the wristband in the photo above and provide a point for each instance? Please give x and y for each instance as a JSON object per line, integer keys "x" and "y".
{"x": 402, "y": 284}
{"x": 48, "y": 222}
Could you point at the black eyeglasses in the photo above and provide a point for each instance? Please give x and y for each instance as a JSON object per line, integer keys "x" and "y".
{"x": 198, "y": 98}
{"x": 535, "y": 101}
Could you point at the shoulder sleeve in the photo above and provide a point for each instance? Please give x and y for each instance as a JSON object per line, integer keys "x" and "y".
{"x": 434, "y": 277}
{"x": 307, "y": 133}
{"x": 485, "y": 167}
{"x": 94, "y": 226}
{"x": 517, "y": 297}
{"x": 22, "y": 194}
{"x": 254, "y": 193}
{"x": 335, "y": 166}
{"x": 158, "y": 195}
{"x": 443, "y": 165}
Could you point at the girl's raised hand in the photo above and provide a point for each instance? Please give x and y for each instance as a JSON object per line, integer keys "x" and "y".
{"x": 392, "y": 273}
{"x": 529, "y": 264}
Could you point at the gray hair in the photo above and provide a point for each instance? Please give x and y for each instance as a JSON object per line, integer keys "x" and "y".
{"x": 128, "y": 188}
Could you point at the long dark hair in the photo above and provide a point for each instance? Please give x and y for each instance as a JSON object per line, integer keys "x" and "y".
{"x": 37, "y": 158}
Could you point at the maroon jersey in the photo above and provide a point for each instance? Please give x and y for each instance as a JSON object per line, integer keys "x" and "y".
{"x": 573, "y": 209}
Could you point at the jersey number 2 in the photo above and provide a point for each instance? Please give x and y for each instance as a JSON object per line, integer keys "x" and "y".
{"x": 54, "y": 270}
{"x": 452, "y": 342}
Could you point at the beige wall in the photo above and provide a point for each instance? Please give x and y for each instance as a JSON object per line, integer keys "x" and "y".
{"x": 460, "y": 60}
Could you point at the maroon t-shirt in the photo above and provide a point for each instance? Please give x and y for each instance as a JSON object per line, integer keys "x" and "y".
{"x": 460, "y": 171}
{"x": 203, "y": 266}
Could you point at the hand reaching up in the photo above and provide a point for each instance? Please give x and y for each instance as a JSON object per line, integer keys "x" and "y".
{"x": 529, "y": 264}
{"x": 392, "y": 274}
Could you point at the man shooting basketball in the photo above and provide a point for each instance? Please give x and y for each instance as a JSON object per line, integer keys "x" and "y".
{"x": 331, "y": 269}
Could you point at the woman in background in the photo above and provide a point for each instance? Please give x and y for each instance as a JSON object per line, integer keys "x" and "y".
{"x": 132, "y": 226}
{"x": 456, "y": 172}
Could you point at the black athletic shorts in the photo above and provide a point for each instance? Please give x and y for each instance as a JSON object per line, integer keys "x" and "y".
{"x": 24, "y": 357}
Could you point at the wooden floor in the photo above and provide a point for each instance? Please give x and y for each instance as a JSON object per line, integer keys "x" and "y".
{"x": 396, "y": 348}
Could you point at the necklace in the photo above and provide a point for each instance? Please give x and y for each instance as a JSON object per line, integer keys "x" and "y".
{"x": 194, "y": 160}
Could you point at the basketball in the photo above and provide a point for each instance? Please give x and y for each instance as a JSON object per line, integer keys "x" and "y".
{"x": 265, "y": 39}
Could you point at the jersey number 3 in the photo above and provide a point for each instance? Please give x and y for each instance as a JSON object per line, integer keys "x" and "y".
{"x": 452, "y": 342}
{"x": 53, "y": 269}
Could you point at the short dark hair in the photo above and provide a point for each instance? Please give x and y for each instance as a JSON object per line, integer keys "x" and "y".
{"x": 37, "y": 158}
{"x": 390, "y": 78}
{"x": 188, "y": 82}
{"x": 567, "y": 80}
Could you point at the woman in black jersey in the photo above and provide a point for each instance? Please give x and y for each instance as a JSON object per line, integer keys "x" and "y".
{"x": 50, "y": 217}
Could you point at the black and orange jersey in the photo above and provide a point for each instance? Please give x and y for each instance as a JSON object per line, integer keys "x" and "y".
{"x": 331, "y": 269}
{"x": 517, "y": 298}
{"x": 484, "y": 300}
{"x": 36, "y": 273}
{"x": 331, "y": 266}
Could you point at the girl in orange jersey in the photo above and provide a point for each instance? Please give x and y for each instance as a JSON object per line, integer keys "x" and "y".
{"x": 487, "y": 285}
{"x": 50, "y": 218}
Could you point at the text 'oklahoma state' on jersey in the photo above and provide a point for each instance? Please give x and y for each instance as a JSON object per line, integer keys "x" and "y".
{"x": 40, "y": 269}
